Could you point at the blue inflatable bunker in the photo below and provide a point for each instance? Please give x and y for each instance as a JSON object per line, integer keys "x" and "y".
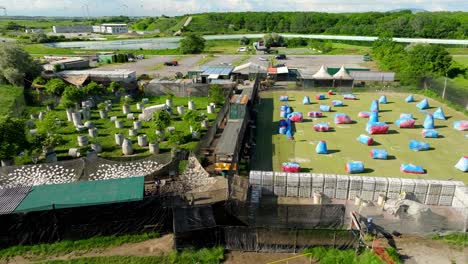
{"x": 342, "y": 119}
{"x": 364, "y": 114}
{"x": 285, "y": 110}
{"x": 283, "y": 126}
{"x": 321, "y": 147}
{"x": 439, "y": 114}
{"x": 379, "y": 154}
{"x": 325, "y": 108}
{"x": 410, "y": 116}
{"x": 461, "y": 125}
{"x": 462, "y": 164}
{"x": 374, "y": 106}
{"x": 284, "y": 98}
{"x": 354, "y": 167}
{"x": 383, "y": 99}
{"x": 320, "y": 97}
{"x": 411, "y": 168}
{"x": 306, "y": 100}
{"x": 430, "y": 133}
{"x": 424, "y": 104}
{"x": 366, "y": 140}
{"x": 418, "y": 145}
{"x": 374, "y": 117}
{"x": 295, "y": 116}
{"x": 337, "y": 103}
{"x": 429, "y": 122}
{"x": 377, "y": 128}
{"x": 409, "y": 99}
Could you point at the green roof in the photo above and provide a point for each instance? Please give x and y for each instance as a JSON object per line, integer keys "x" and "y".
{"x": 85, "y": 193}
{"x": 332, "y": 71}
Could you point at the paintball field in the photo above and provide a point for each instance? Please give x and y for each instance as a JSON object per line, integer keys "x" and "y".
{"x": 273, "y": 148}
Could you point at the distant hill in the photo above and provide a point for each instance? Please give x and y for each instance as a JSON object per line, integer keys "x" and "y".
{"x": 413, "y": 10}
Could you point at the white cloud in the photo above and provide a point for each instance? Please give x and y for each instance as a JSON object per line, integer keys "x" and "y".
{"x": 171, "y": 7}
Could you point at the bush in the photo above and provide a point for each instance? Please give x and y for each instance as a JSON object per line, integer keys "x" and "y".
{"x": 192, "y": 44}
{"x": 93, "y": 89}
{"x": 244, "y": 41}
{"x": 55, "y": 86}
{"x": 72, "y": 94}
{"x": 39, "y": 81}
{"x": 216, "y": 94}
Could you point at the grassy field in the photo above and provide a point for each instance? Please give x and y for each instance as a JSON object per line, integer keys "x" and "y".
{"x": 8, "y": 96}
{"x": 343, "y": 146}
{"x": 463, "y": 60}
{"x": 107, "y": 130}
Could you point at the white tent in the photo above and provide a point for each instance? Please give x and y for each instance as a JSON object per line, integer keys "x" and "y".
{"x": 322, "y": 74}
{"x": 342, "y": 75}
{"x": 248, "y": 68}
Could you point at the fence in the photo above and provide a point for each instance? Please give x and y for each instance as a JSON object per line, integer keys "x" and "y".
{"x": 180, "y": 88}
{"x": 429, "y": 192}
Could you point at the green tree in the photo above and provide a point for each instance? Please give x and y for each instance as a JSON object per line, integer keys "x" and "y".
{"x": 216, "y": 94}
{"x": 16, "y": 65}
{"x": 274, "y": 40}
{"x": 93, "y": 89}
{"x": 192, "y": 44}
{"x": 244, "y": 41}
{"x": 161, "y": 119}
{"x": 55, "y": 86}
{"x": 49, "y": 125}
{"x": 12, "y": 137}
{"x": 428, "y": 59}
{"x": 72, "y": 95}
{"x": 39, "y": 81}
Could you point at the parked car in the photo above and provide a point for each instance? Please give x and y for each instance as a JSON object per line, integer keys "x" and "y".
{"x": 263, "y": 59}
{"x": 242, "y": 49}
{"x": 280, "y": 57}
{"x": 171, "y": 63}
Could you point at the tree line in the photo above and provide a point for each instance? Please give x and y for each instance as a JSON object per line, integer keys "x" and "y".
{"x": 399, "y": 24}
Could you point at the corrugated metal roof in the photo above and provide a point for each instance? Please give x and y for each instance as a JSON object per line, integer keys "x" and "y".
{"x": 239, "y": 99}
{"x": 220, "y": 70}
{"x": 228, "y": 142}
{"x": 10, "y": 198}
{"x": 372, "y": 76}
{"x": 79, "y": 194}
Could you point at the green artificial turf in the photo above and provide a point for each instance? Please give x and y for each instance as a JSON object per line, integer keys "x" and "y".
{"x": 273, "y": 149}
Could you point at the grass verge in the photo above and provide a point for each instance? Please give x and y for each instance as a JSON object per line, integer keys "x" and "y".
{"x": 333, "y": 256}
{"x": 393, "y": 253}
{"x": 67, "y": 246}
{"x": 457, "y": 239}
{"x": 11, "y": 100}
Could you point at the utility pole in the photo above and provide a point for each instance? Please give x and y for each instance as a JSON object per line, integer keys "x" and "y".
{"x": 445, "y": 86}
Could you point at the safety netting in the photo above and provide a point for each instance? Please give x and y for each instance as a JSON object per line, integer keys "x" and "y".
{"x": 374, "y": 106}
{"x": 337, "y": 103}
{"x": 306, "y": 100}
{"x": 462, "y": 164}
{"x": 325, "y": 108}
{"x": 409, "y": 98}
{"x": 439, "y": 114}
{"x": 291, "y": 167}
{"x": 321, "y": 127}
{"x": 405, "y": 123}
{"x": 341, "y": 118}
{"x": 377, "y": 128}
{"x": 365, "y": 139}
{"x": 284, "y": 98}
{"x": 424, "y": 104}
{"x": 411, "y": 169}
{"x": 364, "y": 114}
{"x": 418, "y": 145}
{"x": 355, "y": 167}
{"x": 430, "y": 133}
{"x": 314, "y": 114}
{"x": 295, "y": 117}
{"x": 383, "y": 99}
{"x": 461, "y": 125}
{"x": 349, "y": 97}
{"x": 320, "y": 97}
{"x": 379, "y": 154}
{"x": 429, "y": 122}
{"x": 321, "y": 147}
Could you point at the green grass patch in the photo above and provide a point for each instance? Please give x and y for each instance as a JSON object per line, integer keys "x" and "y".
{"x": 68, "y": 246}
{"x": 463, "y": 60}
{"x": 182, "y": 165}
{"x": 457, "y": 51}
{"x": 333, "y": 256}
{"x": 11, "y": 100}
{"x": 457, "y": 239}
{"x": 393, "y": 253}
{"x": 342, "y": 144}
{"x": 40, "y": 50}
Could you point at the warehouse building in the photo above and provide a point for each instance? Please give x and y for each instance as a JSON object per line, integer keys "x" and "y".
{"x": 73, "y": 29}
{"x": 111, "y": 28}
{"x": 72, "y": 63}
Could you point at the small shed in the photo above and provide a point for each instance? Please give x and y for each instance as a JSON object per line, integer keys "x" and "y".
{"x": 239, "y": 104}
{"x": 216, "y": 72}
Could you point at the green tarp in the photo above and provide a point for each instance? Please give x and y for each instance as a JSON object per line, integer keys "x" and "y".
{"x": 85, "y": 193}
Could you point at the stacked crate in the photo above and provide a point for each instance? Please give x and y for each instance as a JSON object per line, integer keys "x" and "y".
{"x": 255, "y": 178}
{"x": 355, "y": 187}
{"x": 381, "y": 187}
{"x": 280, "y": 183}
{"x": 292, "y": 185}
{"x": 329, "y": 185}
{"x": 267, "y": 183}
{"x": 394, "y": 188}
{"x": 407, "y": 185}
{"x": 433, "y": 192}
{"x": 342, "y": 185}
{"x": 420, "y": 190}
{"x": 448, "y": 191}
{"x": 305, "y": 185}
{"x": 368, "y": 188}
{"x": 317, "y": 183}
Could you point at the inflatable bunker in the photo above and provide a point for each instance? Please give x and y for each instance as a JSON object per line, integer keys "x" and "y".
{"x": 374, "y": 117}
{"x": 289, "y": 134}
{"x": 439, "y": 114}
{"x": 354, "y": 167}
{"x": 379, "y": 154}
{"x": 337, "y": 103}
{"x": 295, "y": 117}
{"x": 418, "y": 145}
{"x": 283, "y": 126}
{"x": 321, "y": 127}
{"x": 342, "y": 119}
{"x": 462, "y": 164}
{"x": 461, "y": 125}
{"x": 411, "y": 168}
{"x": 325, "y": 108}
{"x": 285, "y": 110}
{"x": 321, "y": 147}
{"x": 366, "y": 140}
{"x": 306, "y": 100}
{"x": 404, "y": 115}
{"x": 349, "y": 97}
{"x": 430, "y": 133}
{"x": 320, "y": 97}
{"x": 374, "y": 106}
{"x": 364, "y": 114}
{"x": 314, "y": 114}
{"x": 429, "y": 122}
{"x": 405, "y": 123}
{"x": 291, "y": 167}
{"x": 377, "y": 128}
{"x": 424, "y": 104}
{"x": 383, "y": 99}
{"x": 284, "y": 98}
{"x": 330, "y": 92}
{"x": 409, "y": 99}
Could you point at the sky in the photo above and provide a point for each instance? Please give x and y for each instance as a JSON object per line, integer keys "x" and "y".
{"x": 178, "y": 7}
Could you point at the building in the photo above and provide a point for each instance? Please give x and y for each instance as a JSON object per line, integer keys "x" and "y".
{"x": 126, "y": 78}
{"x": 249, "y": 71}
{"x": 209, "y": 74}
{"x": 72, "y": 63}
{"x": 33, "y": 30}
{"x": 73, "y": 29}
{"x": 111, "y": 28}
